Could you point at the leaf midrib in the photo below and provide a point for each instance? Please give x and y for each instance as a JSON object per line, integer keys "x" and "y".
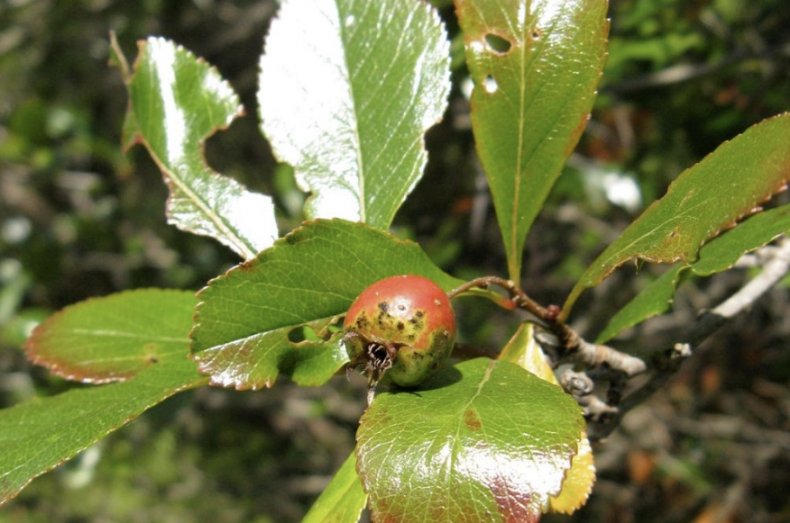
{"x": 357, "y": 137}
{"x": 241, "y": 244}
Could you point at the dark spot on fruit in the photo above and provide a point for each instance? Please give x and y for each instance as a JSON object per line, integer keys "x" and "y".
{"x": 392, "y": 313}
{"x": 377, "y": 351}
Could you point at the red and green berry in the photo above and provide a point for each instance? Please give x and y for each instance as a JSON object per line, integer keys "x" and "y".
{"x": 401, "y": 327}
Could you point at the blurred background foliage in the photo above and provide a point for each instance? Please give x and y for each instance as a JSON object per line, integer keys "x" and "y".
{"x": 78, "y": 218}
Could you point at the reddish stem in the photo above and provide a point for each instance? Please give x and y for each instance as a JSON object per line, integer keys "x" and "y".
{"x": 550, "y": 315}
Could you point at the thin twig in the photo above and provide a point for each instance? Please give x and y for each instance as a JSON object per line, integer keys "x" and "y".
{"x": 565, "y": 341}
{"x": 667, "y": 362}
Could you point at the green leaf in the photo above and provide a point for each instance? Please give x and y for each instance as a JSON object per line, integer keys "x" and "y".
{"x": 714, "y": 194}
{"x": 342, "y": 500}
{"x": 313, "y": 362}
{"x": 310, "y": 277}
{"x": 42, "y": 433}
{"x": 722, "y": 253}
{"x": 524, "y": 351}
{"x": 535, "y": 67}
{"x": 578, "y": 482}
{"x": 654, "y": 299}
{"x": 347, "y": 90}
{"x": 718, "y": 255}
{"x": 176, "y": 101}
{"x": 482, "y": 441}
{"x": 114, "y": 337}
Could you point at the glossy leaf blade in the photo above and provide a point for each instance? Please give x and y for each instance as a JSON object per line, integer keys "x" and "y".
{"x": 347, "y": 90}
{"x": 579, "y": 479}
{"x": 723, "y": 252}
{"x": 176, "y": 101}
{"x": 524, "y": 351}
{"x": 535, "y": 67}
{"x": 42, "y": 433}
{"x": 114, "y": 337}
{"x": 342, "y": 500}
{"x": 718, "y": 255}
{"x": 243, "y": 319}
{"x": 654, "y": 299}
{"x": 483, "y": 441}
{"x": 313, "y": 363}
{"x": 724, "y": 187}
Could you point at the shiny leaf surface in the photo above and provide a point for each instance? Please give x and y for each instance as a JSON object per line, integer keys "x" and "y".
{"x": 724, "y": 187}
{"x": 482, "y": 441}
{"x": 579, "y": 479}
{"x": 176, "y": 101}
{"x": 524, "y": 351}
{"x": 42, "y": 433}
{"x": 313, "y": 363}
{"x": 311, "y": 276}
{"x": 114, "y": 337}
{"x": 535, "y": 67}
{"x": 342, "y": 500}
{"x": 718, "y": 255}
{"x": 347, "y": 90}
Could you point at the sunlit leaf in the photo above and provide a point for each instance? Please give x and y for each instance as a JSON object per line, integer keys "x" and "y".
{"x": 524, "y": 351}
{"x": 244, "y": 318}
{"x": 482, "y": 441}
{"x": 342, "y": 500}
{"x": 114, "y": 337}
{"x": 724, "y": 187}
{"x": 313, "y": 363}
{"x": 42, "y": 433}
{"x": 347, "y": 90}
{"x": 578, "y": 482}
{"x": 718, "y": 255}
{"x": 535, "y": 67}
{"x": 176, "y": 101}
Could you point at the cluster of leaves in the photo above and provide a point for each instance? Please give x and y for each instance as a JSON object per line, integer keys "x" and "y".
{"x": 74, "y": 224}
{"x": 495, "y": 436}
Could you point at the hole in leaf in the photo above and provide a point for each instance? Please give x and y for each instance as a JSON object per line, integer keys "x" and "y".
{"x": 497, "y": 44}
{"x": 490, "y": 85}
{"x": 297, "y": 334}
{"x": 536, "y": 33}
